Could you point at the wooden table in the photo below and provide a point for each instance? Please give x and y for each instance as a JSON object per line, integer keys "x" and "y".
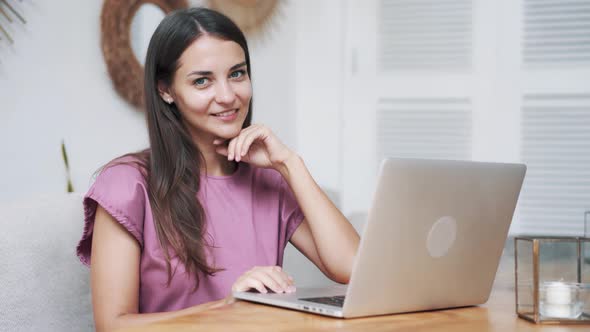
{"x": 497, "y": 314}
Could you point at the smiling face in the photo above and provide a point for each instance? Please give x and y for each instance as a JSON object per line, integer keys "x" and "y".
{"x": 211, "y": 89}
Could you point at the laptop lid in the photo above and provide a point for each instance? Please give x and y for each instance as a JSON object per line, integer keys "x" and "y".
{"x": 434, "y": 235}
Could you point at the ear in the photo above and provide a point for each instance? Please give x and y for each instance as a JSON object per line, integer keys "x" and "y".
{"x": 165, "y": 93}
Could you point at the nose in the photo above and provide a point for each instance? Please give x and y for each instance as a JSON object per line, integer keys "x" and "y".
{"x": 225, "y": 93}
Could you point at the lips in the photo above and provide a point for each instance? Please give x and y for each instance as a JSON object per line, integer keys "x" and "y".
{"x": 226, "y": 113}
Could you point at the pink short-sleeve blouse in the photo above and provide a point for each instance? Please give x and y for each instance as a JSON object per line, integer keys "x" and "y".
{"x": 250, "y": 217}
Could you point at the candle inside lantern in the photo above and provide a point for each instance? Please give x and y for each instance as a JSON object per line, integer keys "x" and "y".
{"x": 558, "y": 293}
{"x": 560, "y": 300}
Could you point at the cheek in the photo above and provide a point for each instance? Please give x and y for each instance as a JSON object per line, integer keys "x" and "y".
{"x": 244, "y": 92}
{"x": 198, "y": 101}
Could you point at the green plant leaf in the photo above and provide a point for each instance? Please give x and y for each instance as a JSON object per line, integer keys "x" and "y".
{"x": 64, "y": 154}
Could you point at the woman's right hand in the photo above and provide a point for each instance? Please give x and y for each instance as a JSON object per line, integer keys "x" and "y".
{"x": 263, "y": 277}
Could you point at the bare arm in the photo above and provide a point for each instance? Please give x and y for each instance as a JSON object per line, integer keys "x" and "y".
{"x": 325, "y": 236}
{"x": 115, "y": 278}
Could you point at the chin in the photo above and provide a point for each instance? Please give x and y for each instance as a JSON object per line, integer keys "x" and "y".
{"x": 229, "y": 133}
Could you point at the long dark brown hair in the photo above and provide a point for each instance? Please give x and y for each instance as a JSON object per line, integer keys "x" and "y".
{"x": 172, "y": 164}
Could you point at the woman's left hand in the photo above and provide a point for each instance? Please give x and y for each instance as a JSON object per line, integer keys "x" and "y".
{"x": 256, "y": 145}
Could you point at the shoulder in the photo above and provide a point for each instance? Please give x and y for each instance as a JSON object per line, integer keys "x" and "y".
{"x": 121, "y": 191}
{"x": 126, "y": 169}
{"x": 121, "y": 179}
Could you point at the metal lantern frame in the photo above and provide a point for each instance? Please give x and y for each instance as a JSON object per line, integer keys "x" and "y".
{"x": 535, "y": 316}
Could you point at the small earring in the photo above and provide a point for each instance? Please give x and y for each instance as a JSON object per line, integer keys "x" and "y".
{"x": 169, "y": 100}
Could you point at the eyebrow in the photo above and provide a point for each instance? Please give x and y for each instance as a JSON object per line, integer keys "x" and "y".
{"x": 207, "y": 73}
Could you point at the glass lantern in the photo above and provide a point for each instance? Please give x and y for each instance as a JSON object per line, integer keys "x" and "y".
{"x": 552, "y": 279}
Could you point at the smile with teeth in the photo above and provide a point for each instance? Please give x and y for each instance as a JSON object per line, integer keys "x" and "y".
{"x": 228, "y": 113}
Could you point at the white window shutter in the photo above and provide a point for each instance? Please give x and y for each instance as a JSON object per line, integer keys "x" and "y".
{"x": 556, "y": 148}
{"x": 434, "y": 128}
{"x": 424, "y": 34}
{"x": 415, "y": 116}
{"x": 556, "y": 32}
{"x": 555, "y": 116}
{"x": 462, "y": 79}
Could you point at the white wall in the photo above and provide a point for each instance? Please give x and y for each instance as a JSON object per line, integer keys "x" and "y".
{"x": 318, "y": 76}
{"x": 54, "y": 86}
{"x": 273, "y": 73}
{"x": 319, "y": 63}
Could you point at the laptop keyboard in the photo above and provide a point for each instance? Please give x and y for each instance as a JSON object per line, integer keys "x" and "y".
{"x": 337, "y": 301}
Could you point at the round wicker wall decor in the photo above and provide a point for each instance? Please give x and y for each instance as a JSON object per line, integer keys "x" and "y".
{"x": 123, "y": 66}
{"x": 252, "y": 16}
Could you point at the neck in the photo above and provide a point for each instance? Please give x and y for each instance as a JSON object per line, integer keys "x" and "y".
{"x": 217, "y": 164}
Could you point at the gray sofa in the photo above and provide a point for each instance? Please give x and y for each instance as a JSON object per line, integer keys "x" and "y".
{"x": 43, "y": 286}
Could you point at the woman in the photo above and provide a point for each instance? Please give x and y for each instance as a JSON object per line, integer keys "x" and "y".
{"x": 210, "y": 206}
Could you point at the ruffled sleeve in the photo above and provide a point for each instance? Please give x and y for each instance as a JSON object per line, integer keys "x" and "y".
{"x": 290, "y": 213}
{"x": 121, "y": 191}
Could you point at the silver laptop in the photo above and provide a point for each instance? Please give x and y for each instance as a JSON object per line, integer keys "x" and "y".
{"x": 433, "y": 239}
